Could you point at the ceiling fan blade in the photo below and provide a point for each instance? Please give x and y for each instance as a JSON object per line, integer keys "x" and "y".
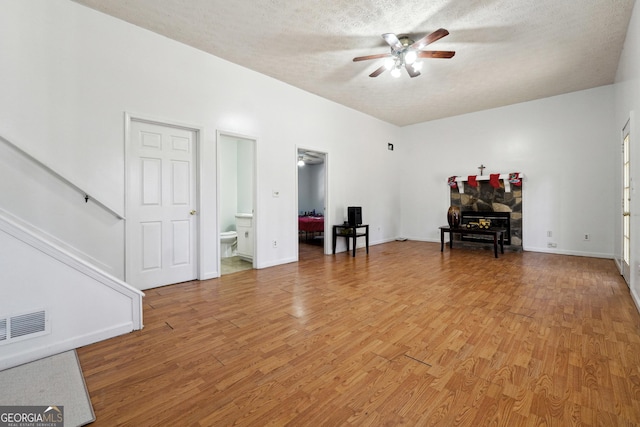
{"x": 428, "y": 39}
{"x": 411, "y": 71}
{"x": 376, "y": 56}
{"x": 393, "y": 41}
{"x": 377, "y": 72}
{"x": 435, "y": 54}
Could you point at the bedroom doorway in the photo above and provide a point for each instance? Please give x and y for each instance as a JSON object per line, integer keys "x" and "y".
{"x": 312, "y": 182}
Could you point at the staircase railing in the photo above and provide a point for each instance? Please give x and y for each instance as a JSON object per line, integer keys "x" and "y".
{"x": 63, "y": 179}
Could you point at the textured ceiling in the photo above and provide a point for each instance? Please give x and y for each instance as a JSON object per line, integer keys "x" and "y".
{"x": 507, "y": 51}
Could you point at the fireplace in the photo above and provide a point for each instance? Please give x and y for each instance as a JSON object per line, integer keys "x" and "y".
{"x": 501, "y": 204}
{"x": 497, "y": 220}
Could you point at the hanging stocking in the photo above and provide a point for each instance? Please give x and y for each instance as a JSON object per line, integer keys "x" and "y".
{"x": 471, "y": 179}
{"x": 452, "y": 182}
{"x": 494, "y": 180}
{"x": 514, "y": 178}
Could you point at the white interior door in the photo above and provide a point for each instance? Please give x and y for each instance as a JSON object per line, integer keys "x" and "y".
{"x": 161, "y": 236}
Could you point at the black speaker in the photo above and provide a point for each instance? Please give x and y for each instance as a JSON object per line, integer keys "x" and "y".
{"x": 354, "y": 215}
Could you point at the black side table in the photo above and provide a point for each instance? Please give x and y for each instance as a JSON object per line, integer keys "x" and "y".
{"x": 350, "y": 232}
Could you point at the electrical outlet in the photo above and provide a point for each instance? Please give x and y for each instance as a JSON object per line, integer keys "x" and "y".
{"x": 587, "y": 237}
{"x": 274, "y": 243}
{"x": 552, "y": 245}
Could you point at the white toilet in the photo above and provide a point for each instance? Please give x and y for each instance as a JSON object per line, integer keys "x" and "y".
{"x": 228, "y": 243}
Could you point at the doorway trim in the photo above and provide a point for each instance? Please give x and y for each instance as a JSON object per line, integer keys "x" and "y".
{"x": 256, "y": 216}
{"x": 198, "y": 132}
{"x": 625, "y": 260}
{"x": 327, "y": 208}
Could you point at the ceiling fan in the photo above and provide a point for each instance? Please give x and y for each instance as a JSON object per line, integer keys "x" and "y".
{"x": 406, "y": 53}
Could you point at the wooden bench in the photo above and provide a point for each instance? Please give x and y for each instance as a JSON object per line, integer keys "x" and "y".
{"x": 497, "y": 233}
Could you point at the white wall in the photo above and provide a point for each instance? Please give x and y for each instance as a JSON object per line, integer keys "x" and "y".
{"x": 228, "y": 152}
{"x": 565, "y": 146}
{"x": 38, "y": 197}
{"x": 245, "y": 176}
{"x": 311, "y": 188}
{"x": 627, "y": 106}
{"x": 71, "y": 73}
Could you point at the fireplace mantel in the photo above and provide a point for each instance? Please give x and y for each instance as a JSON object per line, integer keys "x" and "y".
{"x": 486, "y": 177}
{"x": 507, "y": 178}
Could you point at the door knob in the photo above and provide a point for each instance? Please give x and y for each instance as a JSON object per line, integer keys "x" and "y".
{"x": 193, "y": 212}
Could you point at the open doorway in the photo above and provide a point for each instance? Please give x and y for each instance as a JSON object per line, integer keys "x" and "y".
{"x": 236, "y": 202}
{"x": 313, "y": 224}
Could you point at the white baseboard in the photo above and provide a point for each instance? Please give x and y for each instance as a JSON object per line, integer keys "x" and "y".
{"x": 47, "y": 349}
{"x": 277, "y": 262}
{"x": 636, "y": 298}
{"x": 210, "y": 275}
{"x": 566, "y": 252}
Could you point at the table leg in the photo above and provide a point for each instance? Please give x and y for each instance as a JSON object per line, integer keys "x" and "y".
{"x": 501, "y": 242}
{"x": 335, "y": 235}
{"x": 495, "y": 244}
{"x": 441, "y": 240}
{"x": 450, "y": 239}
{"x": 366, "y": 237}
{"x": 355, "y": 241}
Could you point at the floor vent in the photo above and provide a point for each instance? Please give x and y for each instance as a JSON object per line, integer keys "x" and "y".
{"x": 22, "y": 326}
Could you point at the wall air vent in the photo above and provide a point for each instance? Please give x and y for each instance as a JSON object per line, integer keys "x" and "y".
{"x": 23, "y": 326}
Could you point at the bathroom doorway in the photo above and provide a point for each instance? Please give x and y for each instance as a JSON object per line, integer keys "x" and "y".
{"x": 313, "y": 224}
{"x": 236, "y": 202}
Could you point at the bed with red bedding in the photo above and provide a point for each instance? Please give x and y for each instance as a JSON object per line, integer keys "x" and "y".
{"x": 311, "y": 224}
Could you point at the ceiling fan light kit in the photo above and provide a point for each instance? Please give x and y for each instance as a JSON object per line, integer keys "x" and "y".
{"x": 406, "y": 53}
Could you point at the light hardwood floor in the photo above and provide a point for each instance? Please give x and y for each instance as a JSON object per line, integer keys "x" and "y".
{"x": 404, "y": 336}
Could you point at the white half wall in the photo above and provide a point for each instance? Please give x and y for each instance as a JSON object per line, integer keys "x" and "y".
{"x": 83, "y": 305}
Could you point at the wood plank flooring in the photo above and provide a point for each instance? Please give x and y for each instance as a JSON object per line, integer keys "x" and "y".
{"x": 404, "y": 336}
